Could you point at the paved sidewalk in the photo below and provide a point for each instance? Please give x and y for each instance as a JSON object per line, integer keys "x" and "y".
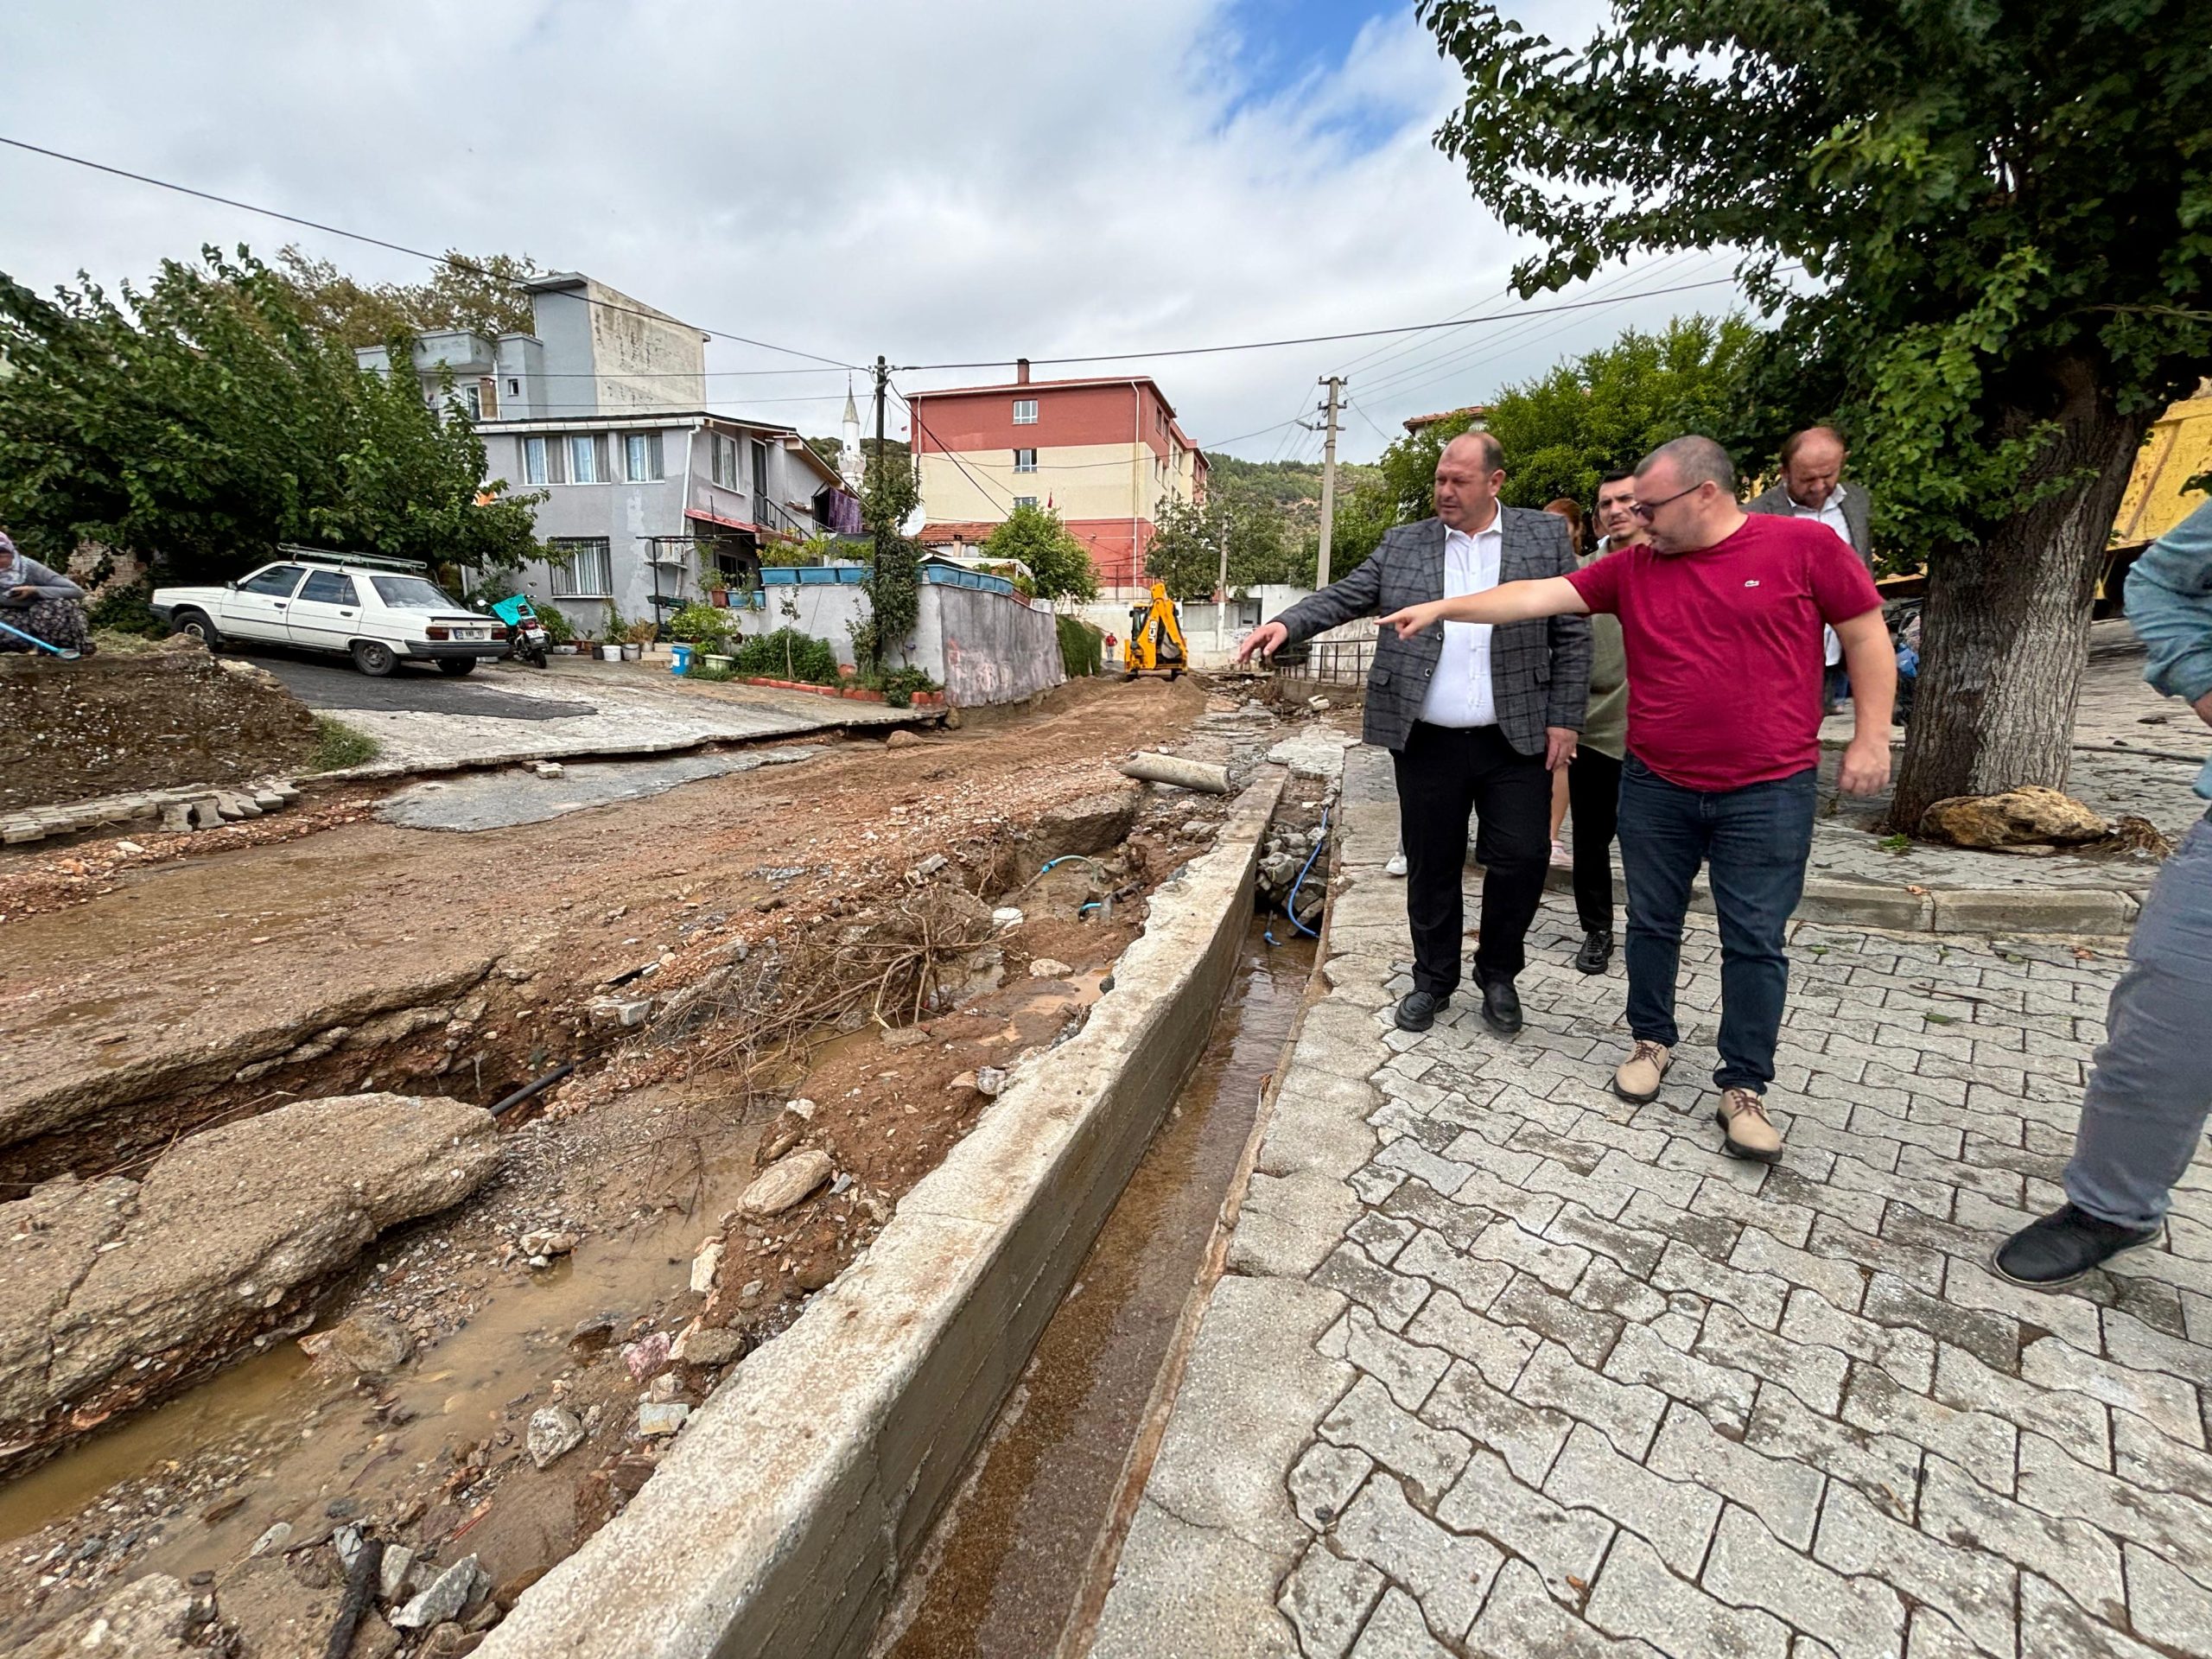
{"x": 1503, "y": 1366}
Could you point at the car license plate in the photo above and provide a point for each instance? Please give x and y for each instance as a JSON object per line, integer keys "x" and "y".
{"x": 468, "y": 633}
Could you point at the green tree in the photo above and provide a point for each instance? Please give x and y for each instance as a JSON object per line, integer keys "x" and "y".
{"x": 890, "y": 491}
{"x": 2006, "y": 216}
{"x": 1058, "y": 564}
{"x": 199, "y": 422}
{"x": 479, "y": 294}
{"x": 1606, "y": 409}
{"x": 1186, "y": 551}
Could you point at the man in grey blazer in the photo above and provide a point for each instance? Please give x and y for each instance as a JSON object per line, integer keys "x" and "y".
{"x": 1475, "y": 719}
{"x": 1812, "y": 487}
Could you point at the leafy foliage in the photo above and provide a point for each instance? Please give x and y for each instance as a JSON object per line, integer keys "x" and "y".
{"x": 1606, "y": 410}
{"x": 1059, "y": 565}
{"x": 2007, "y": 212}
{"x": 889, "y": 494}
{"x": 126, "y": 609}
{"x": 484, "y": 300}
{"x": 201, "y": 421}
{"x": 898, "y": 685}
{"x": 1187, "y": 548}
{"x": 337, "y": 744}
{"x": 699, "y": 624}
{"x": 787, "y": 654}
{"x": 1081, "y": 645}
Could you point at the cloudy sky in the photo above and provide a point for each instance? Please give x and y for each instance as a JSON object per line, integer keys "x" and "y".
{"x": 963, "y": 180}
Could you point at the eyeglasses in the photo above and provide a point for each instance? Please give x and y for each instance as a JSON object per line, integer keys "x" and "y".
{"x": 1645, "y": 510}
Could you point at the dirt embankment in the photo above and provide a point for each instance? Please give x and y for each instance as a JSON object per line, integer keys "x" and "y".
{"x": 109, "y": 725}
{"x": 569, "y": 1282}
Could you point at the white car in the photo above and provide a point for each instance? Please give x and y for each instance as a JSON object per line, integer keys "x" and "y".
{"x": 380, "y": 612}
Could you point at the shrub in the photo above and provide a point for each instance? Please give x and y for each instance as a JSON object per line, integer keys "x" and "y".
{"x": 700, "y": 624}
{"x": 125, "y": 610}
{"x": 899, "y": 684}
{"x": 787, "y": 654}
{"x": 1080, "y": 645}
{"x": 557, "y": 626}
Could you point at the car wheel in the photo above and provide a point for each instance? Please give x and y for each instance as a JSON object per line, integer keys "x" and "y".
{"x": 374, "y": 658}
{"x": 198, "y": 626}
{"x": 456, "y": 666}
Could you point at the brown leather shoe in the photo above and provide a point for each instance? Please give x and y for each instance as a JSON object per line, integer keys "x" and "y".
{"x": 1747, "y": 1131}
{"x": 1640, "y": 1075}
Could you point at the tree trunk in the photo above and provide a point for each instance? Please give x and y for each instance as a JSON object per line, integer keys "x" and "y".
{"x": 2005, "y": 633}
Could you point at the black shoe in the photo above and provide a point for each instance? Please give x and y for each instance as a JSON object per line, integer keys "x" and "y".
{"x": 1417, "y": 1010}
{"x": 2064, "y": 1245}
{"x": 1596, "y": 950}
{"x": 1500, "y": 1006}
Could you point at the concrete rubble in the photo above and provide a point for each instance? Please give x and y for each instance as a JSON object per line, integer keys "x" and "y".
{"x": 194, "y": 807}
{"x": 785, "y": 1183}
{"x": 114, "y": 1292}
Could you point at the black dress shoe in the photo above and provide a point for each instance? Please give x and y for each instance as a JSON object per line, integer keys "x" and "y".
{"x": 1417, "y": 1010}
{"x": 2064, "y": 1245}
{"x": 1501, "y": 1006}
{"x": 1596, "y": 950}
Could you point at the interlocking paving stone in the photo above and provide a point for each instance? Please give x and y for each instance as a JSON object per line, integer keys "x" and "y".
{"x": 1610, "y": 1393}
{"x": 1857, "y": 1618}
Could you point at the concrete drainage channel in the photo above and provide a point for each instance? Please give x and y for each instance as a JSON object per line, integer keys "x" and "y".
{"x": 782, "y": 1519}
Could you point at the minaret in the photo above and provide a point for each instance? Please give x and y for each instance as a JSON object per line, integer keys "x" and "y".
{"x": 850, "y": 462}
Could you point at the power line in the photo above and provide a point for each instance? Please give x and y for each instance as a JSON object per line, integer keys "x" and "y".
{"x": 455, "y": 261}
{"x": 1324, "y": 340}
{"x": 922, "y": 426}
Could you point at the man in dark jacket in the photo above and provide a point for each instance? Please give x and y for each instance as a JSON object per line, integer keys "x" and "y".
{"x": 1475, "y": 719}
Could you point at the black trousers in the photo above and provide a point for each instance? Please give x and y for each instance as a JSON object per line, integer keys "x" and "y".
{"x": 1445, "y": 773}
{"x": 1593, "y": 796}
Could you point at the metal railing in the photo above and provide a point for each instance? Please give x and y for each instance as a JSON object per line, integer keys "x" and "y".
{"x": 1330, "y": 661}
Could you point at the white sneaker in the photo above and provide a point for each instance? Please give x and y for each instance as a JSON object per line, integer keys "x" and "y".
{"x": 1396, "y": 866}
{"x": 1560, "y": 859}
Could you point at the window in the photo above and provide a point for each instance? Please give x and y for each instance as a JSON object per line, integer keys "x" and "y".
{"x": 760, "y": 472}
{"x": 1025, "y": 501}
{"x": 330, "y": 588}
{"x": 533, "y": 461}
{"x": 589, "y": 572}
{"x": 475, "y": 397}
{"x": 1024, "y": 411}
{"x": 412, "y": 594}
{"x": 514, "y": 388}
{"x": 641, "y": 457}
{"x": 276, "y": 582}
{"x": 1024, "y": 461}
{"x": 724, "y": 462}
{"x": 583, "y": 460}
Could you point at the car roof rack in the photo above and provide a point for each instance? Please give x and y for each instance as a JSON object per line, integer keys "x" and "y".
{"x": 364, "y": 561}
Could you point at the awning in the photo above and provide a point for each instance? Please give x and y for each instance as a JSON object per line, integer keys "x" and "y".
{"x": 727, "y": 524}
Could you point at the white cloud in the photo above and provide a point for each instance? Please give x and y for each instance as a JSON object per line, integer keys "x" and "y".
{"x": 969, "y": 179}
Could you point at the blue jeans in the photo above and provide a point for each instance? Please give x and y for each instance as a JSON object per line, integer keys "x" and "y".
{"x": 2143, "y": 1114}
{"x": 1755, "y": 842}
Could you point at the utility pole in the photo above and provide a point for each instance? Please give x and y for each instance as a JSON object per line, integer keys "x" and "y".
{"x": 1221, "y": 593}
{"x": 1336, "y": 386}
{"x": 871, "y": 471}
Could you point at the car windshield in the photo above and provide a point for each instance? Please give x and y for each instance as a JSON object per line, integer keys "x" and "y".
{"x": 411, "y": 594}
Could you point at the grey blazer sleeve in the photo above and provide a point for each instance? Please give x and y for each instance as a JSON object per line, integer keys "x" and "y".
{"x": 1357, "y": 593}
{"x": 1569, "y": 697}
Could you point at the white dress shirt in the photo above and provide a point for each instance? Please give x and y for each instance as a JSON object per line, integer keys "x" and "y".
{"x": 1460, "y": 694}
{"x": 1829, "y": 512}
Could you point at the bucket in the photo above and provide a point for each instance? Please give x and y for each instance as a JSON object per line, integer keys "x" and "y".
{"x": 610, "y": 653}
{"x": 679, "y": 658}
{"x": 631, "y": 653}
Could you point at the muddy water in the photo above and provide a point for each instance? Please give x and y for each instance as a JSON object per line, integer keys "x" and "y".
{"x": 303, "y": 1435}
{"x": 1002, "y": 1577}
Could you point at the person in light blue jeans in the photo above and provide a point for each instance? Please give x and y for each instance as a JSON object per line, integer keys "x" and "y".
{"x": 2144, "y": 1111}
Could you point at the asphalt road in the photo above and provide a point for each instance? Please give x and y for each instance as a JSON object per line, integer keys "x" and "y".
{"x": 416, "y": 688}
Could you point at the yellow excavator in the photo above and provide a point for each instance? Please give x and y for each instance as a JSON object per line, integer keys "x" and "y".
{"x": 1155, "y": 642}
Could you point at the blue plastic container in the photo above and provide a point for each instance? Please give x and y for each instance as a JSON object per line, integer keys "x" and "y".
{"x": 679, "y": 658}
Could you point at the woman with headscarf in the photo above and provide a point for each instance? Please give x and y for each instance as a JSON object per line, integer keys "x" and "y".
{"x": 42, "y": 603}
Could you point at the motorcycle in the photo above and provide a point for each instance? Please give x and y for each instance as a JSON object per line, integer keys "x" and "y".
{"x": 527, "y": 639}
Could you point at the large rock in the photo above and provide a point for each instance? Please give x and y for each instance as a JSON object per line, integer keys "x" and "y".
{"x": 2019, "y": 817}
{"x": 785, "y": 1182}
{"x": 1091, "y": 824}
{"x": 148, "y": 1619}
{"x": 112, "y": 1292}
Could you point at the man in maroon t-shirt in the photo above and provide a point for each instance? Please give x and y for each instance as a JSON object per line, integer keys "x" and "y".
{"x": 1721, "y": 614}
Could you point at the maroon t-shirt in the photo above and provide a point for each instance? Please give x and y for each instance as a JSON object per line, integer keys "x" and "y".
{"x": 1723, "y": 648}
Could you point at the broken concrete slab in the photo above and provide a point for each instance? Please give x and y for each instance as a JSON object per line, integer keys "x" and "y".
{"x": 499, "y": 800}
{"x": 148, "y": 1619}
{"x": 114, "y": 1293}
{"x": 1091, "y": 824}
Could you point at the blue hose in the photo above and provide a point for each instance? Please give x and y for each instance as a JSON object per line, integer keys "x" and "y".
{"x": 1069, "y": 858}
{"x": 1290, "y": 904}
